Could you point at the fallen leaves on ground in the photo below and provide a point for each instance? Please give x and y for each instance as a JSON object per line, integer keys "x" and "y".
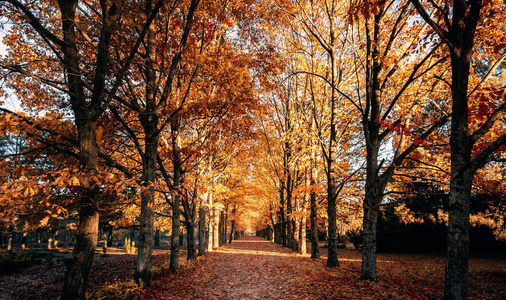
{"x": 252, "y": 268}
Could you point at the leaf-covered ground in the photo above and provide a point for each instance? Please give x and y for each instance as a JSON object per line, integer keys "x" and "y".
{"x": 252, "y": 268}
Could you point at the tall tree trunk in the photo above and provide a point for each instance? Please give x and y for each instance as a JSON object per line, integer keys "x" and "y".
{"x": 278, "y": 233}
{"x": 303, "y": 222}
{"x": 315, "y": 251}
{"x": 189, "y": 213}
{"x": 232, "y": 225}
{"x": 190, "y": 241}
{"x": 157, "y": 237}
{"x": 181, "y": 235}
{"x": 78, "y": 268}
{"x": 373, "y": 196}
{"x": 210, "y": 233}
{"x": 220, "y": 228}
{"x": 211, "y": 210}
{"x": 295, "y": 226}
{"x": 290, "y": 230}
{"x": 374, "y": 188}
{"x": 296, "y": 233}
{"x": 273, "y": 225}
{"x": 232, "y": 228}
{"x": 282, "y": 219}
{"x": 465, "y": 20}
{"x": 216, "y": 229}
{"x": 149, "y": 122}
{"x": 225, "y": 217}
{"x": 142, "y": 273}
{"x": 109, "y": 236}
{"x": 86, "y": 115}
{"x": 332, "y": 260}
{"x": 174, "y": 244}
{"x": 370, "y": 221}
{"x": 202, "y": 228}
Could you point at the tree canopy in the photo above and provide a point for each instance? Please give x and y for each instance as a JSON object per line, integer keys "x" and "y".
{"x": 208, "y": 118}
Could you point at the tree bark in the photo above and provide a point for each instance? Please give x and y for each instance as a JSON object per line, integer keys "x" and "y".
{"x": 315, "y": 251}
{"x": 78, "y": 268}
{"x": 370, "y": 221}
{"x": 296, "y": 233}
{"x": 174, "y": 244}
{"x": 225, "y": 227}
{"x": 211, "y": 210}
{"x": 202, "y": 229}
{"x": 232, "y": 228}
{"x": 462, "y": 170}
{"x": 149, "y": 121}
{"x": 303, "y": 222}
{"x": 189, "y": 213}
{"x": 210, "y": 234}
{"x": 232, "y": 225}
{"x": 290, "y": 230}
{"x": 142, "y": 273}
{"x": 86, "y": 115}
{"x": 109, "y": 236}
{"x": 190, "y": 241}
{"x": 332, "y": 260}
{"x": 282, "y": 219}
{"x": 459, "y": 37}
{"x": 216, "y": 229}
{"x": 157, "y": 237}
{"x": 374, "y": 187}
{"x": 221, "y": 227}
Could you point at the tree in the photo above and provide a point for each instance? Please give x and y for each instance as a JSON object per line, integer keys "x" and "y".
{"x": 154, "y": 114}
{"x": 456, "y": 27}
{"x": 87, "y": 100}
{"x": 389, "y": 38}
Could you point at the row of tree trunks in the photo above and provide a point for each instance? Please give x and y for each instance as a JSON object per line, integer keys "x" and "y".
{"x": 51, "y": 238}
{"x": 296, "y": 227}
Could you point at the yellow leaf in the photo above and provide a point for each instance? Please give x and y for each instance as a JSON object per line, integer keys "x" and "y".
{"x": 74, "y": 181}
{"x": 44, "y": 221}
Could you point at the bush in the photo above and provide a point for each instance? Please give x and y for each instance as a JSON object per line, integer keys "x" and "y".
{"x": 355, "y": 237}
{"x": 11, "y": 262}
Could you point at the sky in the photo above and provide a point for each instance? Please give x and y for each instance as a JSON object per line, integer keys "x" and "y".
{"x": 9, "y": 101}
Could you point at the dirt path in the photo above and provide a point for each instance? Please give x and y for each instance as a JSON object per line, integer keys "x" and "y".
{"x": 252, "y": 268}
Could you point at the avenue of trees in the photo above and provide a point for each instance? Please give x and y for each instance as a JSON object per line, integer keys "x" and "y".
{"x": 304, "y": 120}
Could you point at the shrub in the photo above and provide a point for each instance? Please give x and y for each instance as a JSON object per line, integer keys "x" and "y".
{"x": 11, "y": 262}
{"x": 355, "y": 237}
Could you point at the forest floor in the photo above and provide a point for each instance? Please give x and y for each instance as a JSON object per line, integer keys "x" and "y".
{"x": 253, "y": 268}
